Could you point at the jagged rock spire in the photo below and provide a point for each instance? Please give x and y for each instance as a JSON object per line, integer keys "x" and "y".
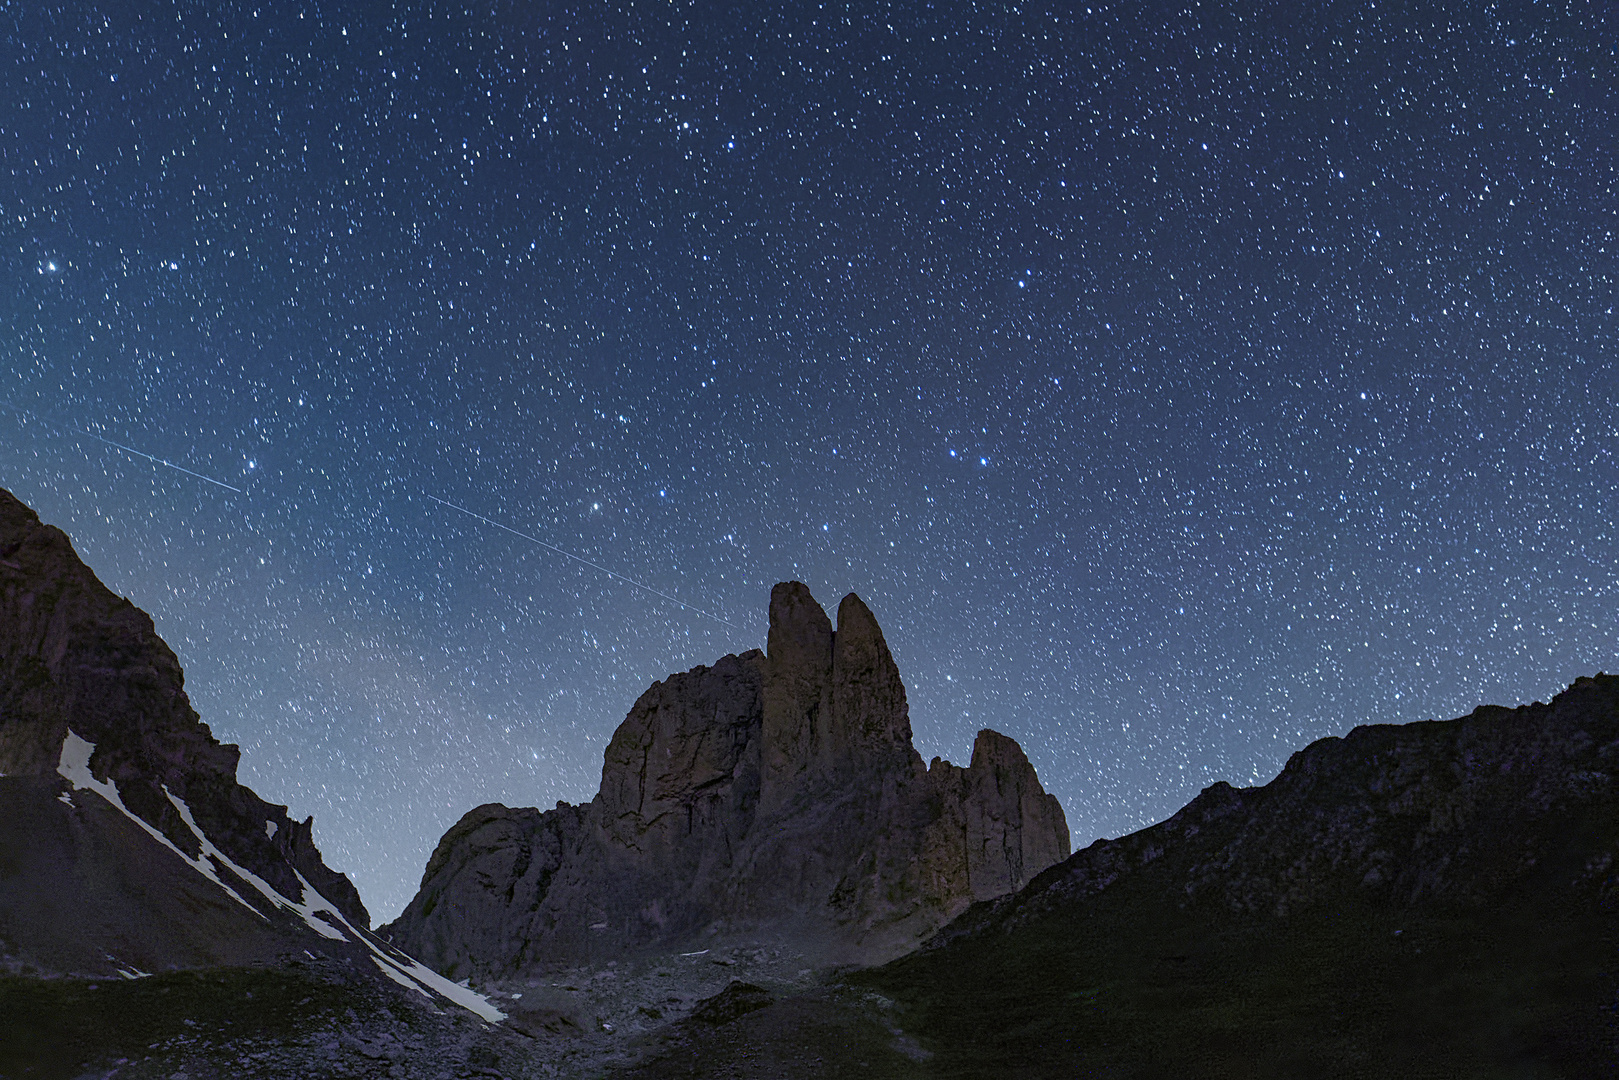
{"x": 771, "y": 794}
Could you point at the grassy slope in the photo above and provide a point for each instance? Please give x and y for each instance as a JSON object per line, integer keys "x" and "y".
{"x": 1485, "y": 945}
{"x": 1131, "y": 985}
{"x": 51, "y": 1027}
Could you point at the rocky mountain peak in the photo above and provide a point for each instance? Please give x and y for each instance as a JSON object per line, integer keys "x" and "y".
{"x": 796, "y": 702}
{"x": 75, "y": 657}
{"x": 127, "y": 846}
{"x": 871, "y": 714}
{"x": 773, "y": 793}
{"x": 800, "y": 640}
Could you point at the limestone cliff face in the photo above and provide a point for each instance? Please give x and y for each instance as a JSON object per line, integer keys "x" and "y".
{"x": 1010, "y": 828}
{"x": 75, "y": 657}
{"x": 771, "y": 793}
{"x": 1503, "y": 806}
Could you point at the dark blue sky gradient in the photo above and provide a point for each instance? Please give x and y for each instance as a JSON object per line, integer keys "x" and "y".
{"x": 1178, "y": 383}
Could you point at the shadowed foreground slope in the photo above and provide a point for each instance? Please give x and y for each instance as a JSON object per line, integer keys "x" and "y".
{"x": 1433, "y": 899}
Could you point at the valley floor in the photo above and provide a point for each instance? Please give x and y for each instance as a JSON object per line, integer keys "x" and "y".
{"x": 1527, "y": 993}
{"x": 1137, "y": 987}
{"x": 733, "y": 1012}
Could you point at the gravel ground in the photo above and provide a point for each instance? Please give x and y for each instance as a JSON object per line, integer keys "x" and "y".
{"x": 768, "y": 1012}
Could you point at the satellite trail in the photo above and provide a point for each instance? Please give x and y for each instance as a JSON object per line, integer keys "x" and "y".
{"x": 442, "y": 502}
{"x": 120, "y": 446}
{"x": 570, "y": 555}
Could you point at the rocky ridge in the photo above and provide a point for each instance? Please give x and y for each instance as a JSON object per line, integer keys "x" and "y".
{"x": 1447, "y": 812}
{"x": 774, "y": 790}
{"x": 1430, "y": 899}
{"x": 127, "y": 846}
{"x": 76, "y": 657}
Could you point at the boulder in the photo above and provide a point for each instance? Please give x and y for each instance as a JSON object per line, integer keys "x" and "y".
{"x": 737, "y": 999}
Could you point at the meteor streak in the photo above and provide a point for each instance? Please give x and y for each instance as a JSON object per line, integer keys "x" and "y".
{"x": 570, "y": 555}
{"x": 120, "y": 446}
{"x": 442, "y": 502}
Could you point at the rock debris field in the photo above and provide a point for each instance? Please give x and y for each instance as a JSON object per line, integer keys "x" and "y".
{"x": 643, "y": 1017}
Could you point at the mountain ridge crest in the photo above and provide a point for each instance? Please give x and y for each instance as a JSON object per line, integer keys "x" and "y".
{"x": 770, "y": 792}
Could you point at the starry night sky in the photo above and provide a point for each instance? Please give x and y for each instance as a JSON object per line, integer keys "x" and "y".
{"x": 1178, "y": 383}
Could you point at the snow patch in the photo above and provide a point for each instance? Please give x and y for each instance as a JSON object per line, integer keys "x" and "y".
{"x": 66, "y": 798}
{"x": 402, "y": 969}
{"x": 75, "y": 768}
{"x": 470, "y": 1000}
{"x": 400, "y": 977}
{"x": 129, "y": 971}
{"x": 269, "y": 830}
{"x": 306, "y": 911}
{"x": 323, "y": 917}
{"x": 407, "y": 967}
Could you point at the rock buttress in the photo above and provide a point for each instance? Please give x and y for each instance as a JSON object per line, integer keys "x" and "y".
{"x": 773, "y": 793}
{"x": 126, "y": 842}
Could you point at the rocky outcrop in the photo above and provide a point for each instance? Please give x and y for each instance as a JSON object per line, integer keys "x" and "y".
{"x": 1012, "y": 828}
{"x": 1456, "y": 812}
{"x": 773, "y": 793}
{"x": 76, "y": 658}
{"x": 126, "y": 844}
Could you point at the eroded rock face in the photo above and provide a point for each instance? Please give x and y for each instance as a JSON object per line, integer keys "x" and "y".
{"x": 774, "y": 793}
{"x": 1458, "y": 812}
{"x": 75, "y": 657}
{"x": 1012, "y": 828}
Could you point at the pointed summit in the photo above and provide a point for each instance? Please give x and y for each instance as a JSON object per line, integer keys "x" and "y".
{"x": 800, "y": 633}
{"x": 772, "y": 795}
{"x": 868, "y": 698}
{"x": 797, "y": 701}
